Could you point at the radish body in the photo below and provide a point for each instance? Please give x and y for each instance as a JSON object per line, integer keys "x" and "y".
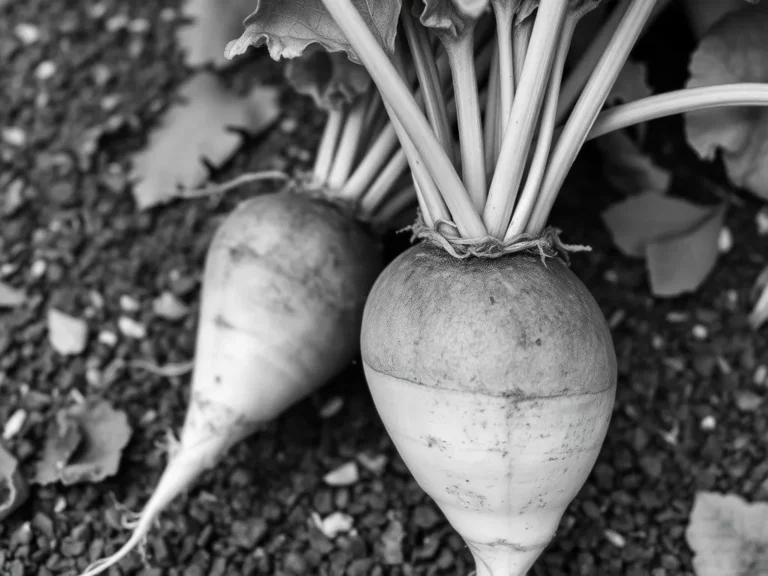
{"x": 495, "y": 379}
{"x": 286, "y": 279}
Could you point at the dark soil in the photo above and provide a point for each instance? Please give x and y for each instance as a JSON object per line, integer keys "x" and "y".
{"x": 76, "y": 239}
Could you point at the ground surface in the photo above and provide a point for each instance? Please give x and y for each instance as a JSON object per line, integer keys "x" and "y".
{"x": 680, "y": 360}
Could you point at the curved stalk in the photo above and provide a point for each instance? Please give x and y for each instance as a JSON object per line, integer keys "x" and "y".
{"x": 678, "y": 102}
{"x": 588, "y": 107}
{"x": 404, "y": 108}
{"x": 522, "y": 121}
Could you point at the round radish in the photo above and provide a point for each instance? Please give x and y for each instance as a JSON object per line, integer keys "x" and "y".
{"x": 495, "y": 379}
{"x": 286, "y": 279}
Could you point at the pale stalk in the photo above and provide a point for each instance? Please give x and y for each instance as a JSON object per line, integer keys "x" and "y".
{"x": 520, "y": 41}
{"x": 393, "y": 206}
{"x": 369, "y": 166}
{"x": 429, "y": 78}
{"x": 524, "y": 116}
{"x": 377, "y": 191}
{"x": 678, "y": 102}
{"x": 412, "y": 122}
{"x": 374, "y": 121}
{"x": 490, "y": 126}
{"x": 327, "y": 147}
{"x": 544, "y": 143}
{"x": 461, "y": 56}
{"x": 587, "y": 108}
{"x": 349, "y": 145}
{"x": 505, "y": 17}
{"x": 578, "y": 77}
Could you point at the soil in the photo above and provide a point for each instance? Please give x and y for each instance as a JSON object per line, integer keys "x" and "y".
{"x": 74, "y": 239}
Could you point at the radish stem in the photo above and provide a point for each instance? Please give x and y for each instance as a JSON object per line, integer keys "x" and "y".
{"x": 348, "y": 145}
{"x": 386, "y": 179}
{"x": 412, "y": 121}
{"x": 394, "y": 205}
{"x": 520, "y": 41}
{"x": 490, "y": 128}
{"x": 588, "y": 107}
{"x": 505, "y": 16}
{"x": 522, "y": 120}
{"x": 327, "y": 147}
{"x": 541, "y": 153}
{"x": 429, "y": 79}
{"x": 678, "y": 102}
{"x": 462, "y": 60}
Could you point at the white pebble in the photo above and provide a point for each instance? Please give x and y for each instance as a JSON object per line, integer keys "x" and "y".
{"x": 117, "y": 22}
{"x": 98, "y": 10}
{"x": 761, "y": 219}
{"x": 108, "y": 338}
{"x": 700, "y": 332}
{"x": 708, "y": 423}
{"x": 139, "y": 25}
{"x": 45, "y": 70}
{"x": 725, "y": 240}
{"x": 27, "y": 33}
{"x": 761, "y": 373}
{"x": 345, "y": 475}
{"x": 332, "y": 407}
{"x": 61, "y": 505}
{"x": 14, "y": 136}
{"x": 615, "y": 538}
{"x": 129, "y": 304}
{"x": 38, "y": 268}
{"x": 168, "y": 15}
{"x": 131, "y": 328}
{"x": 334, "y": 524}
{"x": 14, "y": 424}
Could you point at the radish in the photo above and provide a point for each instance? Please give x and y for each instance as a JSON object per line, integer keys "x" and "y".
{"x": 489, "y": 362}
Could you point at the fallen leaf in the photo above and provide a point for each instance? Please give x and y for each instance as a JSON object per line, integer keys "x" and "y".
{"x": 214, "y": 23}
{"x": 728, "y": 536}
{"x": 681, "y": 263}
{"x": 67, "y": 335}
{"x": 85, "y": 444}
{"x": 330, "y": 79}
{"x": 629, "y": 169}
{"x": 702, "y": 14}
{"x": 169, "y": 307}
{"x": 641, "y": 219}
{"x": 631, "y": 84}
{"x": 287, "y": 27}
{"x": 10, "y": 297}
{"x": 345, "y": 475}
{"x": 13, "y": 487}
{"x": 733, "y": 50}
{"x": 195, "y": 129}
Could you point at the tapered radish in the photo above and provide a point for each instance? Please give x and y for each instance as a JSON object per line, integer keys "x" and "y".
{"x": 495, "y": 379}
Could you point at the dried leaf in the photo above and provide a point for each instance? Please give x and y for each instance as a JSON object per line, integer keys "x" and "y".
{"x": 681, "y": 263}
{"x": 67, "y": 335}
{"x": 214, "y": 23}
{"x": 287, "y": 27}
{"x": 628, "y": 168}
{"x": 197, "y": 129}
{"x": 728, "y": 536}
{"x": 85, "y": 445}
{"x": 11, "y": 297}
{"x": 345, "y": 475}
{"x": 643, "y": 218}
{"x": 734, "y": 50}
{"x": 330, "y": 79}
{"x": 13, "y": 487}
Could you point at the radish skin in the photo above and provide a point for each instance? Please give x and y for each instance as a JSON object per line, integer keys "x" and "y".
{"x": 495, "y": 379}
{"x": 286, "y": 279}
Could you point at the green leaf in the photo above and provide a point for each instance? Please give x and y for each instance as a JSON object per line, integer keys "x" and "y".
{"x": 287, "y": 27}
{"x": 702, "y": 14}
{"x": 629, "y": 169}
{"x": 213, "y": 24}
{"x": 330, "y": 79}
{"x": 734, "y": 50}
{"x": 728, "y": 536}
{"x": 13, "y": 487}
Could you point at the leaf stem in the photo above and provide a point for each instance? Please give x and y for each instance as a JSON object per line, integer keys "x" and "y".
{"x": 546, "y": 131}
{"x": 588, "y": 107}
{"x": 393, "y": 206}
{"x": 412, "y": 122}
{"x": 678, "y": 102}
{"x": 383, "y": 183}
{"x": 461, "y": 57}
{"x": 429, "y": 79}
{"x": 520, "y": 41}
{"x": 369, "y": 166}
{"x": 327, "y": 146}
{"x": 348, "y": 145}
{"x": 490, "y": 125}
{"x": 505, "y": 17}
{"x": 524, "y": 115}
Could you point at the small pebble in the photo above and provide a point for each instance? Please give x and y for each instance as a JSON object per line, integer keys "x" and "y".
{"x": 14, "y": 136}
{"x": 761, "y": 219}
{"x": 38, "y": 269}
{"x": 708, "y": 423}
{"x": 130, "y": 328}
{"x": 27, "y": 33}
{"x": 108, "y": 338}
{"x": 45, "y": 70}
{"x": 14, "y": 424}
{"x": 725, "y": 240}
{"x": 345, "y": 475}
{"x": 760, "y": 375}
{"x": 700, "y": 332}
{"x": 129, "y": 304}
{"x": 615, "y": 538}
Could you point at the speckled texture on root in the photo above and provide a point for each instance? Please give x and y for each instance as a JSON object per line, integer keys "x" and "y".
{"x": 510, "y": 326}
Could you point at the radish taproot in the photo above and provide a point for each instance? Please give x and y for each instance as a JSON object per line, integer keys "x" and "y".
{"x": 489, "y": 362}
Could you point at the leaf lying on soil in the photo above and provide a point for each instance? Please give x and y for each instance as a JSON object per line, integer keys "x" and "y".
{"x": 735, "y": 49}
{"x": 702, "y": 14}
{"x": 84, "y": 444}
{"x": 68, "y": 335}
{"x": 287, "y": 27}
{"x": 195, "y": 129}
{"x": 10, "y": 297}
{"x": 629, "y": 169}
{"x": 13, "y": 487}
{"x": 678, "y": 240}
{"x": 330, "y": 79}
{"x": 214, "y": 23}
{"x": 728, "y": 536}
